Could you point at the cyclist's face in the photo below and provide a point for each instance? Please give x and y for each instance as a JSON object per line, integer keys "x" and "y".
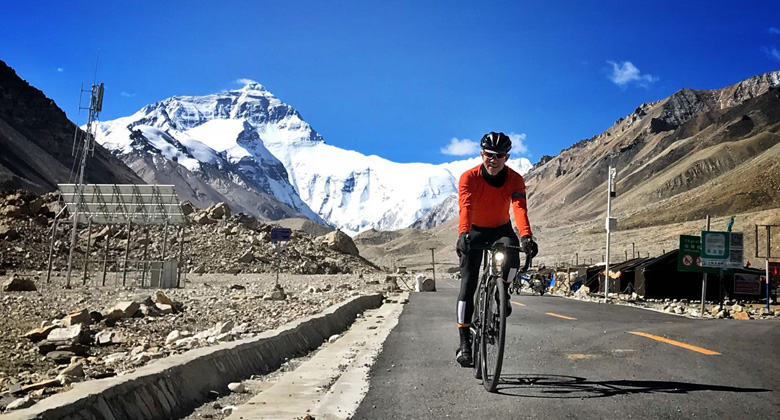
{"x": 494, "y": 163}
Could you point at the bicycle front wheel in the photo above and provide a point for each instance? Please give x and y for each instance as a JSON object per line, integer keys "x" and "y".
{"x": 476, "y": 328}
{"x": 493, "y": 333}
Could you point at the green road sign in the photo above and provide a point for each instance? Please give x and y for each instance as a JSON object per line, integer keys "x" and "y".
{"x": 689, "y": 257}
{"x": 721, "y": 249}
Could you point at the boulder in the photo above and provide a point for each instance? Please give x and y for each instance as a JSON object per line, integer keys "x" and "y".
{"x": 160, "y": 297}
{"x": 203, "y": 219}
{"x": 18, "y": 284}
{"x": 340, "y": 241}
{"x": 75, "y": 334}
{"x": 218, "y": 211}
{"x": 37, "y": 334}
{"x": 8, "y": 233}
{"x": 247, "y": 257}
{"x": 47, "y": 383}
{"x": 60, "y": 357}
{"x": 72, "y": 373}
{"x": 740, "y": 315}
{"x": 21, "y": 403}
{"x": 115, "y": 358}
{"x": 78, "y": 317}
{"x": 105, "y": 338}
{"x": 188, "y": 208}
{"x": 123, "y": 310}
{"x": 236, "y": 387}
{"x": 164, "y": 309}
{"x": 276, "y": 294}
{"x": 172, "y": 337}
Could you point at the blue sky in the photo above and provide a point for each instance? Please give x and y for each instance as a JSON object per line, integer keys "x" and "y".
{"x": 405, "y": 80}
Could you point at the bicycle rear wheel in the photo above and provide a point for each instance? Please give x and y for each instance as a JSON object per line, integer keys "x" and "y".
{"x": 493, "y": 333}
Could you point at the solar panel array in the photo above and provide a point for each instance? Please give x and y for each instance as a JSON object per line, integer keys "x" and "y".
{"x": 111, "y": 204}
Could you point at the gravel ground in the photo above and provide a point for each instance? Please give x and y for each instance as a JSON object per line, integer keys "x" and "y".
{"x": 207, "y": 300}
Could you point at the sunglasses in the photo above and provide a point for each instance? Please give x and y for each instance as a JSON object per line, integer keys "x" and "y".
{"x": 489, "y": 155}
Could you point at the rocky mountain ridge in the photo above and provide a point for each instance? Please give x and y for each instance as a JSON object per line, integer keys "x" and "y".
{"x": 662, "y": 149}
{"x": 260, "y": 144}
{"x": 36, "y": 140}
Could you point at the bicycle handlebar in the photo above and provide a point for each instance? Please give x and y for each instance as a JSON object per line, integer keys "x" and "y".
{"x": 500, "y": 246}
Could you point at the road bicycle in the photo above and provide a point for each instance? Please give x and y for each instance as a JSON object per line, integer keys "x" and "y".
{"x": 488, "y": 326}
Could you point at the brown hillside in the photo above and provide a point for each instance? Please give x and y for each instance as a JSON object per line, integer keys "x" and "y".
{"x": 693, "y": 154}
{"x": 36, "y": 139}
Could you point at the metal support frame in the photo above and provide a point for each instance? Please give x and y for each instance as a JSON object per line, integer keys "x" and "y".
{"x": 181, "y": 256}
{"x": 144, "y": 262}
{"x": 113, "y": 204}
{"x": 86, "y": 255}
{"x": 105, "y": 255}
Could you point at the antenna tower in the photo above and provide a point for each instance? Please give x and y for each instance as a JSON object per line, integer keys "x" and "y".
{"x": 81, "y": 151}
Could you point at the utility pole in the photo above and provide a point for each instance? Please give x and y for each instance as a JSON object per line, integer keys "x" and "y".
{"x": 611, "y": 223}
{"x": 433, "y": 265}
{"x": 704, "y": 275}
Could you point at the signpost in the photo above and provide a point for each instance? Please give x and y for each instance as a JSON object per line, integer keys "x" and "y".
{"x": 689, "y": 257}
{"x": 772, "y": 276}
{"x": 721, "y": 249}
{"x": 278, "y": 237}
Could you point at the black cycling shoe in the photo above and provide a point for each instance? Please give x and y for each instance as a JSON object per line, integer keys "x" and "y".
{"x": 463, "y": 354}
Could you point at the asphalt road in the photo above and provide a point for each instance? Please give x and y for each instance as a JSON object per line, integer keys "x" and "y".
{"x": 569, "y": 359}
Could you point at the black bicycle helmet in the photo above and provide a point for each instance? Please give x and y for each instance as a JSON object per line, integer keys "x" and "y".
{"x": 493, "y": 142}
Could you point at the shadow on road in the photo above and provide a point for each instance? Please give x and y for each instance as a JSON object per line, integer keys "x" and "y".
{"x": 560, "y": 386}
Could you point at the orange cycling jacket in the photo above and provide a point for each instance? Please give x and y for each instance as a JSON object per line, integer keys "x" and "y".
{"x": 486, "y": 206}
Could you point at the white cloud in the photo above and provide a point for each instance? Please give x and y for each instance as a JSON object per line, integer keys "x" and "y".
{"x": 461, "y": 147}
{"x": 518, "y": 145}
{"x": 469, "y": 147}
{"x": 774, "y": 31}
{"x": 245, "y": 82}
{"x": 772, "y": 53}
{"x": 626, "y": 72}
{"x": 127, "y": 95}
{"x": 60, "y": 69}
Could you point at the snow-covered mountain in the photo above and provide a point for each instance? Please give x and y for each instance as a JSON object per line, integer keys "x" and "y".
{"x": 263, "y": 144}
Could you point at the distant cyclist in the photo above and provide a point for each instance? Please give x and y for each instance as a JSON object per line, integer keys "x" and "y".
{"x": 485, "y": 194}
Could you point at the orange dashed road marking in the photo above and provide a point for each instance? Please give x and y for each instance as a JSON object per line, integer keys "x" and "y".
{"x": 561, "y": 316}
{"x": 676, "y": 343}
{"x": 518, "y": 304}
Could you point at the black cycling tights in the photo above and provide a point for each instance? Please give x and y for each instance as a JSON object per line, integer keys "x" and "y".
{"x": 470, "y": 262}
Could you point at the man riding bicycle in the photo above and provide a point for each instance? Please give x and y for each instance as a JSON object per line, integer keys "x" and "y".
{"x": 485, "y": 194}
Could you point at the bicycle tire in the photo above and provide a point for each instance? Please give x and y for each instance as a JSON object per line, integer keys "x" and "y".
{"x": 493, "y": 333}
{"x": 476, "y": 336}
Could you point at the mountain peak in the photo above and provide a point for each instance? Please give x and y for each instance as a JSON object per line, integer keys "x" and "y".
{"x": 251, "y": 85}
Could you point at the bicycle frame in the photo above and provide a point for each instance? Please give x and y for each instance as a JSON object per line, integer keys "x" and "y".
{"x": 483, "y": 330}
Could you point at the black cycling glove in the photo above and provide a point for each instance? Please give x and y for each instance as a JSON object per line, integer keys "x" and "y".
{"x": 462, "y": 246}
{"x": 529, "y": 246}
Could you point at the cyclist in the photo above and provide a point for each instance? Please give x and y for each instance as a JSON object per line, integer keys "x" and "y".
{"x": 485, "y": 194}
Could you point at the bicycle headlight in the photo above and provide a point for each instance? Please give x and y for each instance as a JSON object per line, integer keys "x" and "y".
{"x": 499, "y": 257}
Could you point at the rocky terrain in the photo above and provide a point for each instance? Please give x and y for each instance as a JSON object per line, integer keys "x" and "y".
{"x": 731, "y": 309}
{"x": 53, "y": 336}
{"x": 215, "y": 241}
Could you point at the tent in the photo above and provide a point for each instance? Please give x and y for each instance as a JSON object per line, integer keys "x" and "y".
{"x": 659, "y": 278}
{"x": 622, "y": 276}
